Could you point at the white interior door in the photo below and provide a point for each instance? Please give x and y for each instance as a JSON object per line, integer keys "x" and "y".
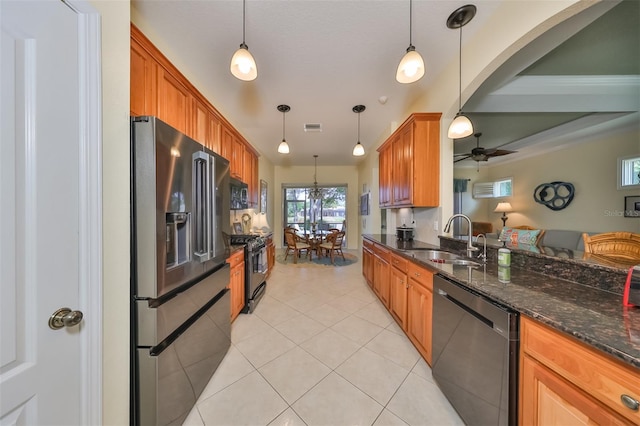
{"x": 43, "y": 189}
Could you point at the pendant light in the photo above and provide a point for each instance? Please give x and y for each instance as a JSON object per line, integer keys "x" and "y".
{"x": 243, "y": 66}
{"x": 461, "y": 126}
{"x": 411, "y": 67}
{"x": 315, "y": 193}
{"x": 283, "y": 148}
{"x": 358, "y": 150}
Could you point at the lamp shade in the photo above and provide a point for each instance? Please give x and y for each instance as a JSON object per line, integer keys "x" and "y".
{"x": 503, "y": 208}
{"x": 411, "y": 67}
{"x": 460, "y": 127}
{"x": 358, "y": 150}
{"x": 243, "y": 66}
{"x": 283, "y": 148}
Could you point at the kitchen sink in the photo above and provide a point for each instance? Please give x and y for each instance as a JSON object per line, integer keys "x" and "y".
{"x": 462, "y": 262}
{"x": 441, "y": 256}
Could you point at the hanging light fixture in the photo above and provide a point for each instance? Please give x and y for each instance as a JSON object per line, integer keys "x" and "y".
{"x": 358, "y": 150}
{"x": 411, "y": 67}
{"x": 283, "y": 148}
{"x": 315, "y": 193}
{"x": 461, "y": 126}
{"x": 243, "y": 66}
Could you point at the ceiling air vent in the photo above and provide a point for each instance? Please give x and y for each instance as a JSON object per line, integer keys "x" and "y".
{"x": 313, "y": 127}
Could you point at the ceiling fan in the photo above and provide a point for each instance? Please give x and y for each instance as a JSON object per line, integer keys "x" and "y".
{"x": 482, "y": 154}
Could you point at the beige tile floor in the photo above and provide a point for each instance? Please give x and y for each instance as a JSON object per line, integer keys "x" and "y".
{"x": 320, "y": 349}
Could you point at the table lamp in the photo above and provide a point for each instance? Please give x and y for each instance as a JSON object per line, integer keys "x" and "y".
{"x": 503, "y": 208}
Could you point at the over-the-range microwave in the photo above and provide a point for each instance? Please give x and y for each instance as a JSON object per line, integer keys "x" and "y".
{"x": 239, "y": 194}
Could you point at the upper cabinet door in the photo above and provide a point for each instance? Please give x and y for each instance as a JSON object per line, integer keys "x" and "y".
{"x": 143, "y": 81}
{"x": 174, "y": 102}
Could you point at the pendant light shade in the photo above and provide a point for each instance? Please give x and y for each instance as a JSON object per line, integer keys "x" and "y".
{"x": 243, "y": 66}
{"x": 411, "y": 67}
{"x": 283, "y": 148}
{"x": 358, "y": 150}
{"x": 461, "y": 126}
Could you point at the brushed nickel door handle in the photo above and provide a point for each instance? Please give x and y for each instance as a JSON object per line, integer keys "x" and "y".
{"x": 65, "y": 317}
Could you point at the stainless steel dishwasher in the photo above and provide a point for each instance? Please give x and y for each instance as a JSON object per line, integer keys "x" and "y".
{"x": 475, "y": 354}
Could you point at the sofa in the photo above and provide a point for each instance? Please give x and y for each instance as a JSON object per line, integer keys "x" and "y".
{"x": 557, "y": 238}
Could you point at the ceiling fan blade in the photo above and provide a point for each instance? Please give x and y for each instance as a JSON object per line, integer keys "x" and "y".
{"x": 460, "y": 155}
{"x": 463, "y": 158}
{"x": 499, "y": 152}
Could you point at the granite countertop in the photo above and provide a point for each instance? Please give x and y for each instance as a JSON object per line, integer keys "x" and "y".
{"x": 592, "y": 315}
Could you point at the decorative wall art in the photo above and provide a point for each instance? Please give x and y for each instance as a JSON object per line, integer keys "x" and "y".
{"x": 554, "y": 195}
{"x": 632, "y": 206}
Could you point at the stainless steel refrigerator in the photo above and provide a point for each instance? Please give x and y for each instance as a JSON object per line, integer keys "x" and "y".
{"x": 180, "y": 305}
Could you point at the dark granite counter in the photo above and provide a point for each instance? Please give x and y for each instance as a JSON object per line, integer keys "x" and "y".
{"x": 592, "y": 315}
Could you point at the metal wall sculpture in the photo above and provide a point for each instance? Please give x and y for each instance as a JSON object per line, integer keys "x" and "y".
{"x": 554, "y": 195}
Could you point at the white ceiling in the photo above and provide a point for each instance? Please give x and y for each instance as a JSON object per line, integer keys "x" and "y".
{"x": 322, "y": 57}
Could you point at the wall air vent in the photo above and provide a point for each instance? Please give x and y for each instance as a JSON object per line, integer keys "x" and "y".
{"x": 313, "y": 127}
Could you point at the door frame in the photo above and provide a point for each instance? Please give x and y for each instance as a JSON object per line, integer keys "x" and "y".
{"x": 90, "y": 208}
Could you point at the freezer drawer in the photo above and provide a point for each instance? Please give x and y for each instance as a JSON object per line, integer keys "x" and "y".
{"x": 156, "y": 322}
{"x": 171, "y": 376}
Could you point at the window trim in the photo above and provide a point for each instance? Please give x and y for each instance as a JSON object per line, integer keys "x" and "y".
{"x": 622, "y": 170}
{"x": 491, "y": 189}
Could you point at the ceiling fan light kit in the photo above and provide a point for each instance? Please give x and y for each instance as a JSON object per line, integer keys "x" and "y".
{"x": 243, "y": 66}
{"x": 283, "y": 148}
{"x": 411, "y": 66}
{"x": 358, "y": 150}
{"x": 461, "y": 126}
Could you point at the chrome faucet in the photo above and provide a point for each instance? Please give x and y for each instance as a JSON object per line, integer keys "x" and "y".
{"x": 470, "y": 247}
{"x": 483, "y": 256}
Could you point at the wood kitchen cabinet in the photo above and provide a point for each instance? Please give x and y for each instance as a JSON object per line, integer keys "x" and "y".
{"x": 143, "y": 85}
{"x": 271, "y": 254}
{"x": 367, "y": 262}
{"x": 384, "y": 178}
{"x": 159, "y": 89}
{"x": 409, "y": 163}
{"x": 233, "y": 150}
{"x": 398, "y": 289}
{"x": 174, "y": 102}
{"x": 381, "y": 273}
{"x": 236, "y": 282}
{"x": 250, "y": 176}
{"x": 563, "y": 381}
{"x": 419, "y": 308}
{"x": 205, "y": 126}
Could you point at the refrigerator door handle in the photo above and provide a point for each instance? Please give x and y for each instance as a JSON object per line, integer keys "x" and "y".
{"x": 202, "y": 205}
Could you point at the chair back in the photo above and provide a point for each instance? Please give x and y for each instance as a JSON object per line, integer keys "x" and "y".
{"x": 290, "y": 237}
{"x": 621, "y": 245}
{"x": 337, "y": 238}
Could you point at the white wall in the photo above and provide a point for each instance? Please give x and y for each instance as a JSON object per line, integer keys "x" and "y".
{"x": 115, "y": 216}
{"x": 326, "y": 175}
{"x": 590, "y": 166}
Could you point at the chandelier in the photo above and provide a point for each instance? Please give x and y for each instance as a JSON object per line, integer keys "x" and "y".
{"x": 315, "y": 193}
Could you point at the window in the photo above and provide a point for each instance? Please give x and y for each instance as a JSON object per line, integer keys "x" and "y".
{"x": 305, "y": 214}
{"x": 629, "y": 172}
{"x": 496, "y": 189}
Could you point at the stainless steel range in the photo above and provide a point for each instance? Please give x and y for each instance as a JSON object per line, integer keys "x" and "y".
{"x": 256, "y": 267}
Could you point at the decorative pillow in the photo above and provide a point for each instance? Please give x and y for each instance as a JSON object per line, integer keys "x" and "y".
{"x": 519, "y": 236}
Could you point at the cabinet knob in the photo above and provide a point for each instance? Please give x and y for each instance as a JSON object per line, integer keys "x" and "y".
{"x": 630, "y": 402}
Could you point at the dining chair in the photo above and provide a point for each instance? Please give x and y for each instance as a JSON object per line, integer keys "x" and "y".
{"x": 333, "y": 245}
{"x": 295, "y": 245}
{"x": 623, "y": 247}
